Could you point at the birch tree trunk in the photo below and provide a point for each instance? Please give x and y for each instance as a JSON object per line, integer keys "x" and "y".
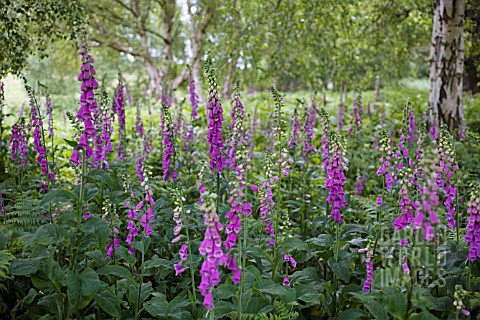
{"x": 228, "y": 83}
{"x": 446, "y": 65}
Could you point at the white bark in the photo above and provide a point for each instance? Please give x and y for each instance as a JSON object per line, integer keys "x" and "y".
{"x": 446, "y": 64}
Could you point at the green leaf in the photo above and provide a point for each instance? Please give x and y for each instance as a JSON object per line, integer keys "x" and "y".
{"x": 375, "y": 308}
{"x": 71, "y": 143}
{"x": 81, "y": 288}
{"x": 26, "y": 301}
{"x": 157, "y": 306}
{"x": 107, "y": 300}
{"x": 397, "y": 302}
{"x": 424, "y": 315}
{"x": 25, "y": 267}
{"x": 294, "y": 244}
{"x": 55, "y": 273}
{"x": 308, "y": 294}
{"x": 268, "y": 286}
{"x": 323, "y": 240}
{"x": 351, "y": 314}
{"x": 50, "y": 233}
{"x": 142, "y": 245}
{"x": 340, "y": 270}
{"x": 225, "y": 291}
{"x": 117, "y": 271}
{"x": 58, "y": 196}
{"x": 101, "y": 176}
{"x": 160, "y": 307}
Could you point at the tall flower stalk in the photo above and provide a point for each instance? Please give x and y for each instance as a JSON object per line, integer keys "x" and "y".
{"x": 88, "y": 104}
{"x": 426, "y": 217}
{"x": 281, "y": 161}
{"x": 448, "y": 166}
{"x": 336, "y": 164}
{"x": 309, "y": 116}
{"x": 185, "y": 252}
{"x": 238, "y": 117}
{"x": 295, "y": 134}
{"x": 211, "y": 248}
{"x": 168, "y": 158}
{"x": 120, "y": 111}
{"x": 473, "y": 225}
{"x": 215, "y": 121}
{"x": 39, "y": 138}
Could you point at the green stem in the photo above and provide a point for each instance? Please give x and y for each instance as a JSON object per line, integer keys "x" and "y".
{"x": 137, "y": 313}
{"x": 457, "y": 217}
{"x": 192, "y": 271}
{"x": 337, "y": 236}
{"x": 243, "y": 250}
{"x": 80, "y": 209}
{"x": 277, "y": 220}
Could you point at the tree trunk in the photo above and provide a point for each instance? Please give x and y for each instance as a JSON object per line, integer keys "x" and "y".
{"x": 168, "y": 8}
{"x": 228, "y": 83}
{"x": 197, "y": 35}
{"x": 446, "y": 65}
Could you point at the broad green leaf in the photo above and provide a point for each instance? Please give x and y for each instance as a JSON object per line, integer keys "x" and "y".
{"x": 107, "y": 300}
{"x": 351, "y": 314}
{"x": 157, "y": 306}
{"x": 308, "y": 294}
{"x": 268, "y": 286}
{"x": 58, "y": 196}
{"x": 81, "y": 288}
{"x": 340, "y": 270}
{"x": 323, "y": 240}
{"x": 294, "y": 244}
{"x": 25, "y": 267}
{"x": 375, "y": 308}
{"x": 50, "y": 233}
{"x": 118, "y": 271}
{"x": 101, "y": 176}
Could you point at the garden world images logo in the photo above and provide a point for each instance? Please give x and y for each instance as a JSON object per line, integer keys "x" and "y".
{"x": 410, "y": 261}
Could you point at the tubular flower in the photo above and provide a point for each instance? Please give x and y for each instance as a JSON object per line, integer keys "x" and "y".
{"x": 295, "y": 135}
{"x": 309, "y": 115}
{"x": 193, "y": 97}
{"x": 408, "y": 207}
{"x": 473, "y": 224}
{"x": 215, "y": 121}
{"x": 49, "y": 109}
{"x": 168, "y": 157}
{"x": 88, "y": 104}
{"x": 356, "y": 114}
{"x": 18, "y": 141}
{"x": 238, "y": 117}
{"x": 120, "y": 111}
{"x": 360, "y": 184}
{"x": 266, "y": 199}
{"x": 367, "y": 286}
{"x": 39, "y": 137}
{"x": 336, "y": 163}
{"x": 102, "y": 141}
{"x": 387, "y": 164}
{"x": 131, "y": 227}
{"x": 340, "y": 115}
{"x": 406, "y": 135}
{"x": 325, "y": 132}
{"x": 177, "y": 217}
{"x": 211, "y": 248}
{"x": 448, "y": 165}
{"x": 426, "y": 215}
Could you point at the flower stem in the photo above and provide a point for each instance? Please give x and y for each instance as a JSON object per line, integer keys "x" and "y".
{"x": 192, "y": 271}
{"x": 243, "y": 251}
{"x": 137, "y": 313}
{"x": 80, "y": 208}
